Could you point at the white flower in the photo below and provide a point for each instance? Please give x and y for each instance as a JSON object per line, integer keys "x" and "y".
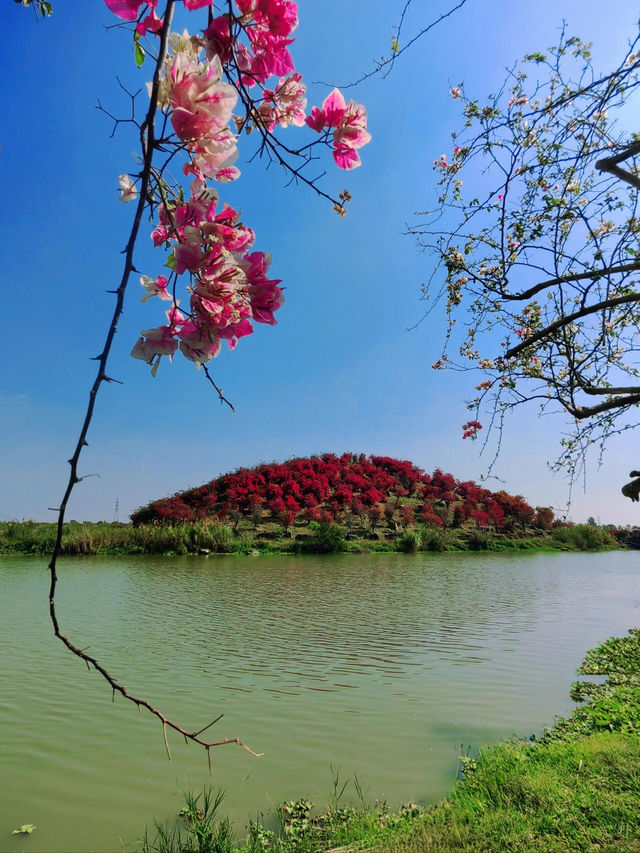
{"x": 128, "y": 191}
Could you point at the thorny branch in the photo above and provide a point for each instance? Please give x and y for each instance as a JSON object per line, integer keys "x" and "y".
{"x": 148, "y": 145}
{"x": 157, "y": 187}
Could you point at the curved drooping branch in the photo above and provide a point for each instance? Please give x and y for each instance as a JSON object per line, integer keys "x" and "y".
{"x": 228, "y": 287}
{"x": 148, "y": 144}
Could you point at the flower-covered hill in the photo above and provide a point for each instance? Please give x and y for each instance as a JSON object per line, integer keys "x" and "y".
{"x": 352, "y": 488}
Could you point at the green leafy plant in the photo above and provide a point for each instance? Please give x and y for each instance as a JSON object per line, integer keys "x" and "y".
{"x": 25, "y": 829}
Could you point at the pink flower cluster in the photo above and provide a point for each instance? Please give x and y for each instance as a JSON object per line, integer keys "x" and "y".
{"x": 229, "y": 286}
{"x": 267, "y": 24}
{"x": 470, "y": 429}
{"x": 284, "y": 105}
{"x": 201, "y": 106}
{"x": 350, "y": 123}
{"x": 128, "y": 9}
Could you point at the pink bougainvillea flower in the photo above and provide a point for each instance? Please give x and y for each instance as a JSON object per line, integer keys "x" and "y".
{"x": 279, "y": 17}
{"x": 271, "y": 57}
{"x": 351, "y": 131}
{"x": 226, "y": 175}
{"x": 196, "y": 345}
{"x": 350, "y": 123}
{"x": 230, "y": 289}
{"x": 155, "y": 342}
{"x": 218, "y": 39}
{"x": 191, "y": 5}
{"x": 202, "y": 103}
{"x": 175, "y": 317}
{"x": 285, "y": 105}
{"x": 154, "y": 287}
{"x": 346, "y": 158}
{"x": 316, "y": 121}
{"x": 333, "y": 108}
{"x": 214, "y": 154}
{"x": 127, "y": 9}
{"x": 152, "y": 23}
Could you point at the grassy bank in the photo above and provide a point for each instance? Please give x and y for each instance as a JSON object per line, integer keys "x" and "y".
{"x": 576, "y": 788}
{"x": 30, "y": 537}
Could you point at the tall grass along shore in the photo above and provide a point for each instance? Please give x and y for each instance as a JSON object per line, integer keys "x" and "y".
{"x": 211, "y": 537}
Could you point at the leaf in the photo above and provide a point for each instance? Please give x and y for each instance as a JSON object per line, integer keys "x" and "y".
{"x": 139, "y": 54}
{"x": 25, "y": 829}
{"x": 171, "y": 261}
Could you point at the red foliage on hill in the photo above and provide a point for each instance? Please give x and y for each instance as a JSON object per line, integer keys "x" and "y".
{"x": 344, "y": 488}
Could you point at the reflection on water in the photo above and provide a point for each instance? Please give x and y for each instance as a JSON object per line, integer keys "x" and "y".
{"x": 379, "y": 664}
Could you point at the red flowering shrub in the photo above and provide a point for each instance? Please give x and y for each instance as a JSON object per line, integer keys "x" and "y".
{"x": 351, "y": 486}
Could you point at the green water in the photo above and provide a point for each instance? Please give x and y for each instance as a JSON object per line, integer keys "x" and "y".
{"x": 381, "y": 665}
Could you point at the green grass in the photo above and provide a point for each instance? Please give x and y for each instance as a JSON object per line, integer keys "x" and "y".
{"x": 30, "y": 537}
{"x": 574, "y": 789}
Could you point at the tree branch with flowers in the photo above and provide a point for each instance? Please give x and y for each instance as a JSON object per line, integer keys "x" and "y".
{"x": 230, "y": 76}
{"x": 535, "y": 238}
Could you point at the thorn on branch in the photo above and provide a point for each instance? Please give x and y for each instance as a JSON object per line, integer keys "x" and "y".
{"x": 212, "y": 723}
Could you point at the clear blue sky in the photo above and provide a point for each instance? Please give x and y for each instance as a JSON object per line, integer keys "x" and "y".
{"x": 340, "y": 371}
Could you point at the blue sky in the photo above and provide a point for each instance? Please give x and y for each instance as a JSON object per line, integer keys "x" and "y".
{"x": 340, "y": 371}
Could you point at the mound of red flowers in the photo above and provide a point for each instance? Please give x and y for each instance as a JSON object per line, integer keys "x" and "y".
{"x": 345, "y": 488}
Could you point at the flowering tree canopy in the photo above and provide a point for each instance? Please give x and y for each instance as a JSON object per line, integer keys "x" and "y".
{"x": 537, "y": 251}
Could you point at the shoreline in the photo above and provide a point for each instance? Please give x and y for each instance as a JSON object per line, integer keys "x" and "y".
{"x": 575, "y": 787}
{"x": 209, "y": 539}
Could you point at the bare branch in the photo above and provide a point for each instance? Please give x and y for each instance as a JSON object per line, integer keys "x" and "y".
{"x": 567, "y": 320}
{"x": 389, "y": 61}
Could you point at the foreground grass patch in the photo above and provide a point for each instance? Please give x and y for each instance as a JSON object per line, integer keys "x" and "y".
{"x": 580, "y": 795}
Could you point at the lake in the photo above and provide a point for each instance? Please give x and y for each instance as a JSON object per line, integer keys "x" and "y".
{"x": 380, "y": 665}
